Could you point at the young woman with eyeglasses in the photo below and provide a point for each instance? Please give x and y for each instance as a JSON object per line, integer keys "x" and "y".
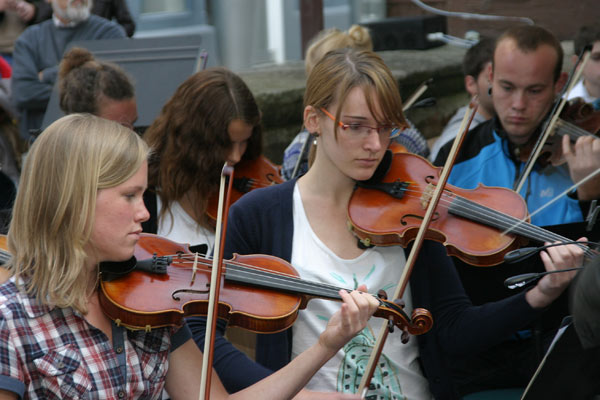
{"x": 352, "y": 106}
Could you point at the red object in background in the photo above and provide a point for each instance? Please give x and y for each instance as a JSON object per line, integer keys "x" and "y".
{"x": 5, "y": 68}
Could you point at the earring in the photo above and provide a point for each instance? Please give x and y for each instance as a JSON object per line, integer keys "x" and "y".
{"x": 314, "y": 135}
{"x": 490, "y": 90}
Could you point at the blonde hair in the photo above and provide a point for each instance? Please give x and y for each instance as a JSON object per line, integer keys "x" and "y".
{"x": 340, "y": 71}
{"x": 54, "y": 210}
{"x": 357, "y": 37}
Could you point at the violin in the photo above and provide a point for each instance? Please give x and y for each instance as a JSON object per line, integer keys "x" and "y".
{"x": 396, "y": 147}
{"x": 476, "y": 225}
{"x": 4, "y": 255}
{"x": 248, "y": 175}
{"x": 577, "y": 119}
{"x": 259, "y": 293}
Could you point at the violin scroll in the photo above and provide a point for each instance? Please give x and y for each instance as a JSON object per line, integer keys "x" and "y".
{"x": 420, "y": 322}
{"x": 248, "y": 175}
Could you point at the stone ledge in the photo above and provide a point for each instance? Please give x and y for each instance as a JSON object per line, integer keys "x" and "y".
{"x": 279, "y": 91}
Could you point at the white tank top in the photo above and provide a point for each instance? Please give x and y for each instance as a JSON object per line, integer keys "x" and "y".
{"x": 398, "y": 375}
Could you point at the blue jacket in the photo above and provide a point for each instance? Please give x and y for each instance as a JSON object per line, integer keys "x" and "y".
{"x": 261, "y": 222}
{"x": 486, "y": 157}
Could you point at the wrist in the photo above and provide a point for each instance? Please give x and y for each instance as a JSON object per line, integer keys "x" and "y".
{"x": 324, "y": 349}
{"x": 536, "y": 298}
{"x": 588, "y": 191}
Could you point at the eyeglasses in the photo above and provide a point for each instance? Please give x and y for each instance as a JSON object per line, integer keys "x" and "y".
{"x": 363, "y": 131}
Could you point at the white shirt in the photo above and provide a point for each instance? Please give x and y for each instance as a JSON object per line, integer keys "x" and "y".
{"x": 399, "y": 375}
{"x": 579, "y": 90}
{"x": 180, "y": 227}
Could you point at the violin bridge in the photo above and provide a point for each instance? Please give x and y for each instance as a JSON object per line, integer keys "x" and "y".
{"x": 427, "y": 195}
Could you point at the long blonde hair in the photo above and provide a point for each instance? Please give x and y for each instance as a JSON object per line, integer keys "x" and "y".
{"x": 55, "y": 206}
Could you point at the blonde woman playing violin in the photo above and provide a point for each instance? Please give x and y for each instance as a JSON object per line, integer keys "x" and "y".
{"x": 80, "y": 203}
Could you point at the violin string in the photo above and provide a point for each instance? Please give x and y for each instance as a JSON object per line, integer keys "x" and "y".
{"x": 486, "y": 214}
{"x": 573, "y": 131}
{"x": 516, "y": 225}
{"x": 508, "y": 222}
{"x": 256, "y": 275}
{"x": 493, "y": 217}
{"x": 297, "y": 284}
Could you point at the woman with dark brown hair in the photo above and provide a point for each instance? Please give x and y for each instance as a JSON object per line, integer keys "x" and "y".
{"x": 87, "y": 85}
{"x": 212, "y": 118}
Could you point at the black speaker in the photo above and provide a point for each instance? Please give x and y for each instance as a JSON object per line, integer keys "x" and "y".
{"x": 406, "y": 33}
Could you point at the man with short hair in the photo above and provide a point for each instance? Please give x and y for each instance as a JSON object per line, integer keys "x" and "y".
{"x": 476, "y": 66}
{"x": 526, "y": 77}
{"x": 40, "y": 48}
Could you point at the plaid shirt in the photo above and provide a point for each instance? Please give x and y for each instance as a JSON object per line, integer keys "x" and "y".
{"x": 54, "y": 353}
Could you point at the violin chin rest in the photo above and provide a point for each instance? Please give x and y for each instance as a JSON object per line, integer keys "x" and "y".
{"x": 382, "y": 168}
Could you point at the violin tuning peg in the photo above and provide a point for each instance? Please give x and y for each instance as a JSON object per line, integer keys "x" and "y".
{"x": 404, "y": 337}
{"x": 382, "y": 294}
{"x": 400, "y": 303}
{"x": 390, "y": 325}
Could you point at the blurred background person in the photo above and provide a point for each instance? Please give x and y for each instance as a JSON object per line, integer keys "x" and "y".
{"x": 476, "y": 66}
{"x": 96, "y": 87}
{"x": 39, "y": 50}
{"x": 588, "y": 88}
{"x": 296, "y": 156}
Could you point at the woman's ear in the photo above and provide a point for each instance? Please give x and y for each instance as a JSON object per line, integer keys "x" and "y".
{"x": 311, "y": 120}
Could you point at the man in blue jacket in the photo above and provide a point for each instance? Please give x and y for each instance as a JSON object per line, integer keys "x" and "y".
{"x": 526, "y": 79}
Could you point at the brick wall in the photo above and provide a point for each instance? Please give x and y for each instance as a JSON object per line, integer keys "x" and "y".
{"x": 563, "y": 18}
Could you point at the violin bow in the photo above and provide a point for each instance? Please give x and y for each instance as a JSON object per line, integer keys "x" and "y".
{"x": 305, "y": 146}
{"x": 554, "y": 200}
{"x": 549, "y": 128}
{"x": 410, "y": 261}
{"x": 215, "y": 286}
{"x": 416, "y": 94}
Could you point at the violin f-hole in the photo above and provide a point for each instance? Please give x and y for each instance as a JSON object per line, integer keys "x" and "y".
{"x": 192, "y": 291}
{"x": 404, "y": 221}
{"x": 271, "y": 178}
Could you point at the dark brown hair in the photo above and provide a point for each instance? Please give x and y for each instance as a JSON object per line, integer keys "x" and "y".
{"x": 85, "y": 82}
{"x": 190, "y": 137}
{"x": 530, "y": 38}
{"x": 587, "y": 35}
{"x": 478, "y": 56}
